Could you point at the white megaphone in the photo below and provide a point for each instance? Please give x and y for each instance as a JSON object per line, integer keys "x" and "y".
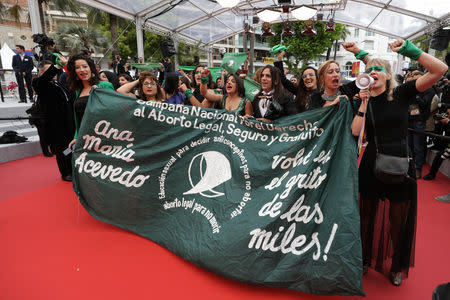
{"x": 364, "y": 81}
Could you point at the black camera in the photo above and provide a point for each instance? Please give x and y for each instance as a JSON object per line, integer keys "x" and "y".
{"x": 42, "y": 39}
{"x": 442, "y": 111}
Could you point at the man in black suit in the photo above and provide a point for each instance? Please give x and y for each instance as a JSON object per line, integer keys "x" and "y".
{"x": 23, "y": 65}
{"x": 56, "y": 103}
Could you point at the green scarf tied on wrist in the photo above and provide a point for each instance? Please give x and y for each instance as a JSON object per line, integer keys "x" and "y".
{"x": 410, "y": 50}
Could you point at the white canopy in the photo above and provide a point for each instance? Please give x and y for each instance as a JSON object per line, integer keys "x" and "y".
{"x": 6, "y": 54}
{"x": 209, "y": 22}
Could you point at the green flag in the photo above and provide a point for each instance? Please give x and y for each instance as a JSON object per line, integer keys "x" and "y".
{"x": 251, "y": 88}
{"x": 232, "y": 61}
{"x": 271, "y": 204}
{"x": 216, "y": 72}
{"x": 187, "y": 68}
{"x": 146, "y": 66}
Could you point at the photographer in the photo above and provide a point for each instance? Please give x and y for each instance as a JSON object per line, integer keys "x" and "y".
{"x": 47, "y": 47}
{"x": 441, "y": 119}
{"x": 442, "y": 125}
{"x": 56, "y": 106}
{"x": 419, "y": 111}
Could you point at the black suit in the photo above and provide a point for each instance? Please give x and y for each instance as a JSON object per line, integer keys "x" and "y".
{"x": 23, "y": 66}
{"x": 56, "y": 103}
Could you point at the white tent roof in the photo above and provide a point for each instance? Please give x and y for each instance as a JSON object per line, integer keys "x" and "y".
{"x": 6, "y": 54}
{"x": 207, "y": 21}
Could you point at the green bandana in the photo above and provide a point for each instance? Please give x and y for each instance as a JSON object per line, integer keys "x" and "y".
{"x": 376, "y": 69}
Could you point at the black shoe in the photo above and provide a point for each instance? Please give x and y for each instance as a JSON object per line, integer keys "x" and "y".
{"x": 429, "y": 176}
{"x": 67, "y": 178}
{"x": 395, "y": 278}
{"x": 22, "y": 101}
{"x": 48, "y": 154}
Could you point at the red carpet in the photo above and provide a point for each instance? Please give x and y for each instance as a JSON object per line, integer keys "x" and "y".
{"x": 52, "y": 249}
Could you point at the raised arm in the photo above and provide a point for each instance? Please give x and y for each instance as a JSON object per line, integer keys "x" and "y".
{"x": 359, "y": 53}
{"x": 128, "y": 87}
{"x": 207, "y": 93}
{"x": 287, "y": 84}
{"x": 435, "y": 67}
{"x": 189, "y": 95}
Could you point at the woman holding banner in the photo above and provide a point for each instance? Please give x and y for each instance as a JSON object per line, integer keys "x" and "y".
{"x": 83, "y": 77}
{"x": 306, "y": 86}
{"x": 389, "y": 210}
{"x": 234, "y": 101}
{"x": 330, "y": 87}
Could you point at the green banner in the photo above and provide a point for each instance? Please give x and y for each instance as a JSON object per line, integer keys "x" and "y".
{"x": 147, "y": 66}
{"x": 232, "y": 61}
{"x": 271, "y": 204}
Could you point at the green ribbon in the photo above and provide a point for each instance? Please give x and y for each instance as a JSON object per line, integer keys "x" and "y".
{"x": 205, "y": 80}
{"x": 188, "y": 94}
{"x": 361, "y": 54}
{"x": 410, "y": 50}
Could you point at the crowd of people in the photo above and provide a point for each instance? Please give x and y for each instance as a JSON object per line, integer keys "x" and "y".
{"x": 387, "y": 108}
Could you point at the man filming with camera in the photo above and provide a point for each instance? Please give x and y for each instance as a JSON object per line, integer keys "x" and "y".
{"x": 47, "y": 47}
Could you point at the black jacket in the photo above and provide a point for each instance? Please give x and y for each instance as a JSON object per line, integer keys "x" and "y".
{"x": 278, "y": 107}
{"x": 56, "y": 104}
{"x": 26, "y": 65}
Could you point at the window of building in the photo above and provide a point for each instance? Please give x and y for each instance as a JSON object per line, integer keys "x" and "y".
{"x": 368, "y": 45}
{"x": 356, "y": 32}
{"x": 348, "y": 68}
{"x": 370, "y": 33}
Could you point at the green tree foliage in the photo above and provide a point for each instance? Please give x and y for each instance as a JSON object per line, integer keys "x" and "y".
{"x": 303, "y": 49}
{"x": 73, "y": 38}
{"x": 189, "y": 55}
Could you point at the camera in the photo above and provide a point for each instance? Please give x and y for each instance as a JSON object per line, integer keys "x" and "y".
{"x": 42, "y": 39}
{"x": 442, "y": 111}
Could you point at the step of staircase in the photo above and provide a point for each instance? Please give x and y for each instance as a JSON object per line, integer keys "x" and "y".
{"x": 8, "y": 152}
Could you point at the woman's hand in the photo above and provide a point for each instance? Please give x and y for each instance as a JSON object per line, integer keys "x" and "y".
{"x": 205, "y": 72}
{"x": 397, "y": 45}
{"x": 182, "y": 87}
{"x": 351, "y": 47}
{"x": 72, "y": 143}
{"x": 281, "y": 55}
{"x": 62, "y": 59}
{"x": 364, "y": 95}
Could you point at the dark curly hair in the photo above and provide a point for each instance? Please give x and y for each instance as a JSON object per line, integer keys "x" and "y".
{"x": 74, "y": 82}
{"x": 240, "y": 90}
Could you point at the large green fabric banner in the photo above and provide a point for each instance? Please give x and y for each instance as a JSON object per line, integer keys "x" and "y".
{"x": 271, "y": 204}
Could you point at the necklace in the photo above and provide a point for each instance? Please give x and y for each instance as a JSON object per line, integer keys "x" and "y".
{"x": 330, "y": 97}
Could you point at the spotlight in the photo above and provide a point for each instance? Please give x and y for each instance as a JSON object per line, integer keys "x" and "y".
{"x": 247, "y": 27}
{"x": 329, "y": 26}
{"x": 287, "y": 29}
{"x": 266, "y": 29}
{"x": 309, "y": 28}
{"x": 255, "y": 20}
{"x": 319, "y": 16}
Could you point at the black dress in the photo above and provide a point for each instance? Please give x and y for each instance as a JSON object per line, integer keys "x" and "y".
{"x": 381, "y": 219}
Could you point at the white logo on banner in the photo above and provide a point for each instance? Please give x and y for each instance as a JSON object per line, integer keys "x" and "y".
{"x": 230, "y": 63}
{"x": 213, "y": 170}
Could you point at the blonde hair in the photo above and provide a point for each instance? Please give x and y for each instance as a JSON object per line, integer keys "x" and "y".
{"x": 322, "y": 70}
{"x": 391, "y": 84}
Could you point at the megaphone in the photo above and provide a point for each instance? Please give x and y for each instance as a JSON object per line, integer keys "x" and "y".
{"x": 364, "y": 81}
